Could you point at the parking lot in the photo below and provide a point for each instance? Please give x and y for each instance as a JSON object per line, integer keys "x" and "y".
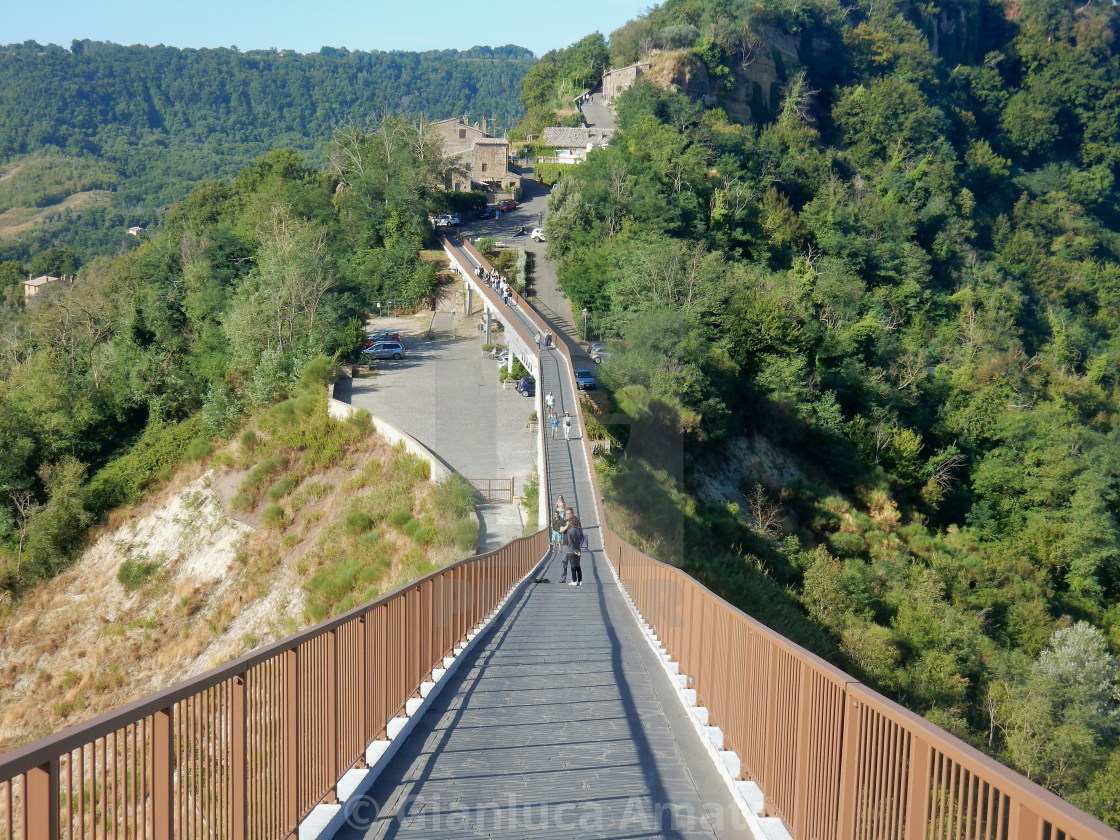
{"x": 445, "y": 393}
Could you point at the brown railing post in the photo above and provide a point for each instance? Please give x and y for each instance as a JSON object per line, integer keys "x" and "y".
{"x": 849, "y": 769}
{"x": 917, "y": 789}
{"x": 163, "y": 775}
{"x": 237, "y": 756}
{"x": 334, "y": 734}
{"x": 289, "y": 745}
{"x": 40, "y": 803}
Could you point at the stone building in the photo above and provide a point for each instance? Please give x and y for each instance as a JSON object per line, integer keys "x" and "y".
{"x": 483, "y": 160}
{"x": 615, "y": 81}
{"x": 33, "y": 285}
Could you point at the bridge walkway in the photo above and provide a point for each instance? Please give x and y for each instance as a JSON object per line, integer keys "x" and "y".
{"x": 562, "y": 723}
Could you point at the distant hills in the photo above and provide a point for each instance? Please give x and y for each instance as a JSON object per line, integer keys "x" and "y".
{"x": 160, "y": 119}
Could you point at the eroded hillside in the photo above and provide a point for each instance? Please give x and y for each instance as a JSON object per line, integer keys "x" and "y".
{"x": 301, "y": 518}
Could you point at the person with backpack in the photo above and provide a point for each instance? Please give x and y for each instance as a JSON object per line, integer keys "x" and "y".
{"x": 573, "y": 548}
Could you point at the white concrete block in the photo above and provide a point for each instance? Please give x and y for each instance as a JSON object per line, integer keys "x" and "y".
{"x": 674, "y": 667}
{"x": 459, "y": 650}
{"x": 412, "y": 705}
{"x": 715, "y": 735}
{"x": 393, "y": 728}
{"x": 701, "y": 715}
{"x": 773, "y": 827}
{"x": 688, "y": 695}
{"x": 438, "y": 674}
{"x": 731, "y": 761}
{"x": 349, "y": 782}
{"x": 752, "y": 794}
{"x": 316, "y": 821}
{"x": 448, "y": 661}
{"x": 375, "y": 750}
{"x": 471, "y": 635}
{"x": 426, "y": 688}
{"x": 681, "y": 680}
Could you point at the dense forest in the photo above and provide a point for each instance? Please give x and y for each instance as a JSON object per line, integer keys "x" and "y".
{"x": 145, "y": 124}
{"x": 901, "y": 285}
{"x": 105, "y": 387}
{"x": 868, "y": 339}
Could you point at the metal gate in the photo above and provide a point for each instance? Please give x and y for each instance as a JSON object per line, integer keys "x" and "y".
{"x": 494, "y": 490}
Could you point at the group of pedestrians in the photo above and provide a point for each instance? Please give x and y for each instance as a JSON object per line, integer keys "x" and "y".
{"x": 496, "y": 282}
{"x": 566, "y": 533}
{"x": 554, "y": 419}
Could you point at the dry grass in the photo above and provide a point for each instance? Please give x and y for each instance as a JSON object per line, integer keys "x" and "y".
{"x": 82, "y": 644}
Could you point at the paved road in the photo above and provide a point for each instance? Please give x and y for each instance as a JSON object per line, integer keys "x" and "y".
{"x": 596, "y": 114}
{"x": 445, "y": 394}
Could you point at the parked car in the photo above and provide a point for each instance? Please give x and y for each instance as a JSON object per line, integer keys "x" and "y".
{"x": 598, "y": 357}
{"x": 584, "y": 380}
{"x": 385, "y": 350}
{"x": 503, "y": 359}
{"x": 488, "y": 213}
{"x": 447, "y": 220}
{"x": 383, "y": 335}
{"x": 537, "y": 235}
{"x": 527, "y": 386}
{"x": 507, "y": 204}
{"x": 596, "y": 347}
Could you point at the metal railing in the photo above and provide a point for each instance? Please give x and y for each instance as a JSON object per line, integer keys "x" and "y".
{"x": 834, "y": 759}
{"x": 247, "y": 750}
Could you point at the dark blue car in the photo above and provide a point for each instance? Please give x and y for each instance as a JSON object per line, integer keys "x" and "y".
{"x": 527, "y": 386}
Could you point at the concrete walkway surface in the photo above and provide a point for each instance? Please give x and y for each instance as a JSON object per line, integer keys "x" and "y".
{"x": 562, "y": 723}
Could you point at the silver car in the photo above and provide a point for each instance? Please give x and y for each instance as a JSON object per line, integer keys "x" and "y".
{"x": 385, "y": 350}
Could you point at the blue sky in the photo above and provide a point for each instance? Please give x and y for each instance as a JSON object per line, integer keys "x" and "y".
{"x": 307, "y": 25}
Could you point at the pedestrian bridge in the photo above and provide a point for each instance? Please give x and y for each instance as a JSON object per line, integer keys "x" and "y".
{"x": 482, "y": 701}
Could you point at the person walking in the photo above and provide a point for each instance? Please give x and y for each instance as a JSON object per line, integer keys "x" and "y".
{"x": 572, "y": 541}
{"x": 567, "y": 425}
{"x": 549, "y": 400}
{"x": 554, "y": 421}
{"x": 554, "y": 535}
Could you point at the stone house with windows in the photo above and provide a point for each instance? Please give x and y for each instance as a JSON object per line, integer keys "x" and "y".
{"x": 616, "y": 80}
{"x": 33, "y": 285}
{"x": 483, "y": 160}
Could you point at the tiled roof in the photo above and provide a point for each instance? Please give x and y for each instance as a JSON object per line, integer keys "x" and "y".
{"x": 565, "y": 137}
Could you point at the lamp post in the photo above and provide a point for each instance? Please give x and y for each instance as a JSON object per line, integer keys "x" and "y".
{"x": 585, "y": 323}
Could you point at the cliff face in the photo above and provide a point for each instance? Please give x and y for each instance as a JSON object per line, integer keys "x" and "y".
{"x": 752, "y": 92}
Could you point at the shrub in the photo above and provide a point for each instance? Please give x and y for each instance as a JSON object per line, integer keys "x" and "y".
{"x": 465, "y": 534}
{"x": 249, "y": 440}
{"x": 454, "y": 497}
{"x": 273, "y": 516}
{"x": 242, "y": 501}
{"x": 317, "y": 373}
{"x": 133, "y": 574}
{"x": 282, "y": 488}
{"x": 260, "y": 473}
{"x": 358, "y": 522}
{"x": 412, "y": 466}
{"x": 425, "y": 535}
{"x": 360, "y": 418}
{"x": 411, "y": 527}
{"x": 154, "y": 454}
{"x": 400, "y": 517}
{"x": 198, "y": 449}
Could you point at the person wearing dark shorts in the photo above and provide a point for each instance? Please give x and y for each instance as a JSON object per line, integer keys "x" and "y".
{"x": 573, "y": 545}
